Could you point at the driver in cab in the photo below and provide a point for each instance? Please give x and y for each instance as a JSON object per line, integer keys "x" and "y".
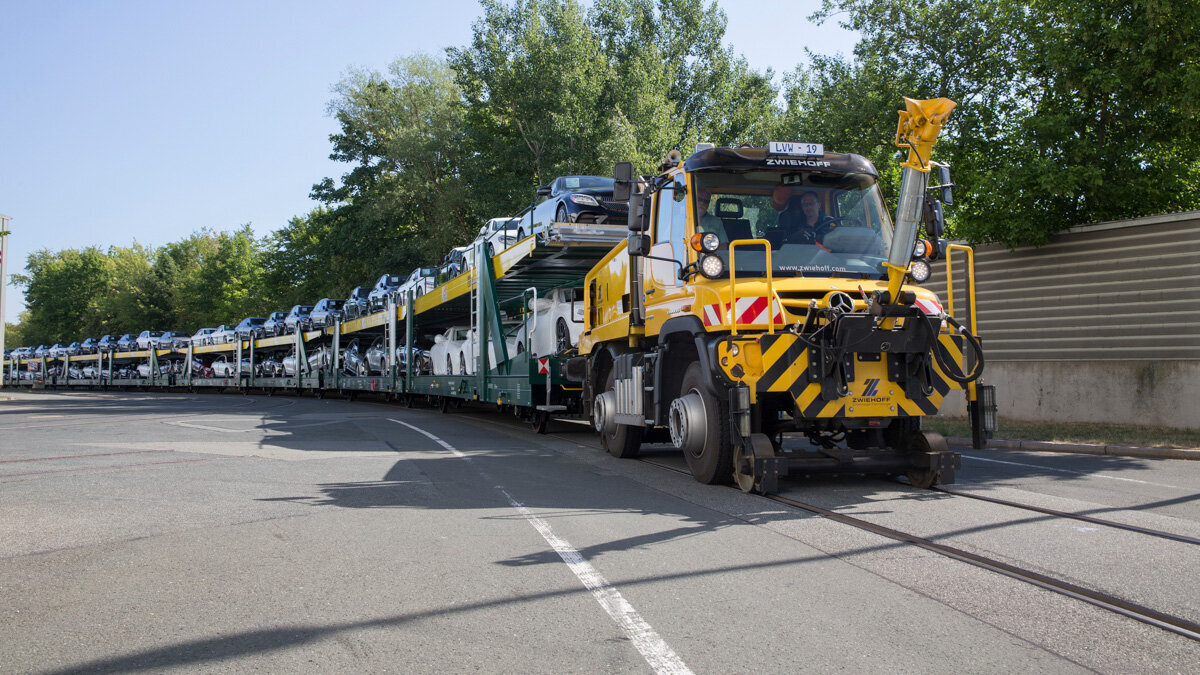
{"x": 801, "y": 220}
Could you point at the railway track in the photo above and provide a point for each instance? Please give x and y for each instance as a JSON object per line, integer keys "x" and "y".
{"x": 1106, "y": 601}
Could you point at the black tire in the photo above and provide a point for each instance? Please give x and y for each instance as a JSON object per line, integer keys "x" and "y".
{"x": 713, "y": 464}
{"x": 625, "y": 441}
{"x": 560, "y": 216}
{"x": 449, "y": 365}
{"x": 462, "y": 364}
{"x": 562, "y": 336}
{"x": 520, "y": 235}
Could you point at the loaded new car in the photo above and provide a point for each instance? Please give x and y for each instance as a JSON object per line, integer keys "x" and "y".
{"x": 358, "y": 303}
{"x": 555, "y": 321}
{"x": 575, "y": 199}
{"x": 127, "y": 342}
{"x": 249, "y": 328}
{"x": 387, "y": 284}
{"x": 295, "y": 318}
{"x": 274, "y": 324}
{"x": 420, "y": 281}
{"x": 500, "y": 233}
{"x": 221, "y": 334}
{"x": 147, "y": 338}
{"x": 173, "y": 339}
{"x": 325, "y": 312}
{"x": 88, "y": 346}
{"x": 107, "y": 343}
{"x": 203, "y": 337}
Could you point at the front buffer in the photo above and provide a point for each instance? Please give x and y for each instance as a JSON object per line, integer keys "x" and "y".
{"x": 856, "y": 386}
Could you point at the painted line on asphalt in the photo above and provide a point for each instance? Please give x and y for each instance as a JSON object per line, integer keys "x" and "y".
{"x": 648, "y": 642}
{"x": 1078, "y": 473}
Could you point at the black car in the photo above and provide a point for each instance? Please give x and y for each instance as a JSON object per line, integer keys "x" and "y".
{"x": 107, "y": 343}
{"x": 575, "y": 199}
{"x": 88, "y": 346}
{"x": 358, "y": 303}
{"x": 387, "y": 284}
{"x": 325, "y": 312}
{"x": 250, "y": 327}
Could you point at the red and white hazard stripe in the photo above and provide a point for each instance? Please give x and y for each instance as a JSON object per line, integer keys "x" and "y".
{"x": 750, "y": 311}
{"x": 929, "y": 306}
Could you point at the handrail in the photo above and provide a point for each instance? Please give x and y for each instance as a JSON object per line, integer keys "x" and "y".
{"x": 950, "y": 249}
{"x": 733, "y": 322}
{"x": 972, "y": 387}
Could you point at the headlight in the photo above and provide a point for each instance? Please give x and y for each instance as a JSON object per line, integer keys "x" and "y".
{"x": 710, "y": 242}
{"x": 712, "y": 266}
{"x": 586, "y": 200}
{"x": 920, "y": 271}
{"x": 920, "y": 249}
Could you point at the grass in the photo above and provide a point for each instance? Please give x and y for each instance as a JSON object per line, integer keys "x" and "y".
{"x": 1075, "y": 432}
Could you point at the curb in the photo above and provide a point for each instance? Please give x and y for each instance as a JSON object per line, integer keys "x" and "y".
{"x": 1089, "y": 449}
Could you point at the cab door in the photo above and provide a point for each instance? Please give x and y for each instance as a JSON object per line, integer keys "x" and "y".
{"x": 663, "y": 287}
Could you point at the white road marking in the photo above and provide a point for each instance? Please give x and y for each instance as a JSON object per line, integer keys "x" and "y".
{"x": 1078, "y": 473}
{"x": 648, "y": 642}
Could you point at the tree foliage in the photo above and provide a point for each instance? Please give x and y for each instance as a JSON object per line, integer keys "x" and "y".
{"x": 1070, "y": 111}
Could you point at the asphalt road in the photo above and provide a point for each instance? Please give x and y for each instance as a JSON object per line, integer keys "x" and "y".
{"x": 222, "y": 532}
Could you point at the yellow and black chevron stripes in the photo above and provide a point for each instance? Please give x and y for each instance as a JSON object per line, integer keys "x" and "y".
{"x": 872, "y": 394}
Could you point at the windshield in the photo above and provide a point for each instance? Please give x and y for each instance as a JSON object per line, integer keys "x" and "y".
{"x": 818, "y": 223}
{"x": 586, "y": 182}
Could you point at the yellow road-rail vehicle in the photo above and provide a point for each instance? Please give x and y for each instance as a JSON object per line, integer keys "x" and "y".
{"x": 755, "y": 296}
{"x": 733, "y": 318}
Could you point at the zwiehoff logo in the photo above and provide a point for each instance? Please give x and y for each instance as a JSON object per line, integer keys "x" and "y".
{"x": 871, "y": 393}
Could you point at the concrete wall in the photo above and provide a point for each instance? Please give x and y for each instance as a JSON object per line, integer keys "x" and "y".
{"x": 1102, "y": 324}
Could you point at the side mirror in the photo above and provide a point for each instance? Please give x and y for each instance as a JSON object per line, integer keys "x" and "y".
{"x": 639, "y": 244}
{"x": 935, "y": 223}
{"x": 639, "y": 212}
{"x": 946, "y": 185}
{"x": 543, "y": 191}
{"x": 623, "y": 185}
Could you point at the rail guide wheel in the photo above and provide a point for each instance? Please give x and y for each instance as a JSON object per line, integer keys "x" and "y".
{"x": 933, "y": 463}
{"x": 744, "y": 466}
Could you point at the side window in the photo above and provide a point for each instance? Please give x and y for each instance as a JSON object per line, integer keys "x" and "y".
{"x": 679, "y": 220}
{"x": 662, "y": 225}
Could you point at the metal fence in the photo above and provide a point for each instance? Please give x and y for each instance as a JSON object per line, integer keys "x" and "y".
{"x": 1106, "y": 306}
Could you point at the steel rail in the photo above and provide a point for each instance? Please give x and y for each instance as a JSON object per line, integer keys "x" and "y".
{"x": 1126, "y": 608}
{"x": 1075, "y": 516}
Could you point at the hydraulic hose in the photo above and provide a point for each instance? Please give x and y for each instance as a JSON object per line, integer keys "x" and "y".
{"x": 955, "y": 373}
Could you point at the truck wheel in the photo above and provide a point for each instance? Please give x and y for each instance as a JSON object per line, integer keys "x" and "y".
{"x": 710, "y": 455}
{"x": 620, "y": 440}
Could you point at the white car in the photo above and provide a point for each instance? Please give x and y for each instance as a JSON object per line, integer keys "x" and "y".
{"x": 202, "y": 337}
{"x": 469, "y": 350}
{"x": 143, "y": 370}
{"x": 90, "y": 372}
{"x": 421, "y": 281}
{"x": 224, "y": 366}
{"x": 447, "y": 348}
{"x": 316, "y": 360}
{"x": 500, "y": 233}
{"x": 555, "y": 321}
{"x": 147, "y": 338}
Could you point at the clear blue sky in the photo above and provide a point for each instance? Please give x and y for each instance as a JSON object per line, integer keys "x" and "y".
{"x": 146, "y": 121}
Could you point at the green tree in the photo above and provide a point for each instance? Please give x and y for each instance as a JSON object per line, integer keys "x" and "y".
{"x": 1070, "y": 111}
{"x": 61, "y": 289}
{"x": 403, "y": 202}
